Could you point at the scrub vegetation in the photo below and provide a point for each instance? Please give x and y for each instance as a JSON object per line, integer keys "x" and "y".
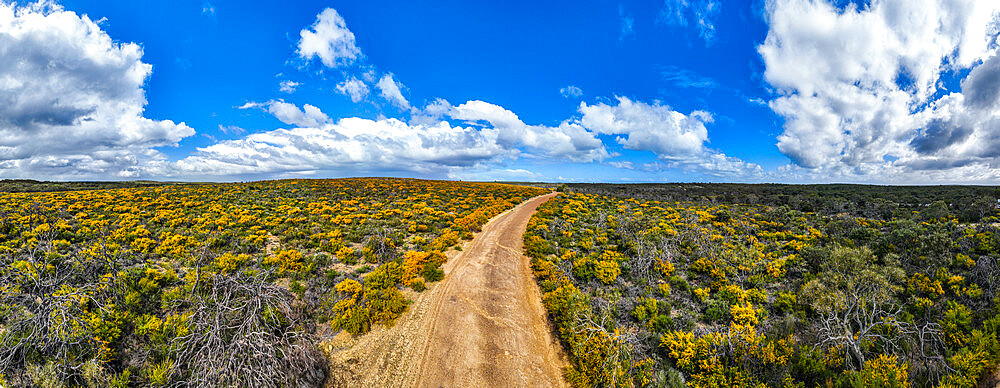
{"x": 709, "y": 293}
{"x": 218, "y": 284}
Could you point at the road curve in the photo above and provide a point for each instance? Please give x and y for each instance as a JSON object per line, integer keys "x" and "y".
{"x": 482, "y": 326}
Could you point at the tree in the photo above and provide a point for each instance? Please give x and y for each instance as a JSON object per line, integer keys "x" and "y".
{"x": 935, "y": 210}
{"x": 854, "y": 298}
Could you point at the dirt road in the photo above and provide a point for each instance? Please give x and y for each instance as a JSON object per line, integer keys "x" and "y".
{"x": 482, "y": 326}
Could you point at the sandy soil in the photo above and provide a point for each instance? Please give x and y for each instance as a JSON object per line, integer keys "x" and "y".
{"x": 482, "y": 326}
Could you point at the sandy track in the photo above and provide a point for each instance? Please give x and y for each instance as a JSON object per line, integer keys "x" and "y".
{"x": 482, "y": 326}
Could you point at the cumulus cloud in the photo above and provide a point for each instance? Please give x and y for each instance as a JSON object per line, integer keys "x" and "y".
{"x": 649, "y": 127}
{"x": 678, "y": 140}
{"x": 432, "y": 113}
{"x": 390, "y": 90}
{"x": 354, "y": 88}
{"x": 73, "y": 99}
{"x": 329, "y": 40}
{"x": 434, "y": 145}
{"x": 714, "y": 164}
{"x": 862, "y": 90}
{"x": 486, "y": 136}
{"x": 568, "y": 140}
{"x": 571, "y": 91}
{"x": 350, "y": 145}
{"x": 700, "y": 14}
{"x": 982, "y": 87}
{"x": 288, "y": 113}
{"x": 288, "y": 86}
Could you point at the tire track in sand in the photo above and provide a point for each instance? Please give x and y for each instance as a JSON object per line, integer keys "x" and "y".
{"x": 482, "y": 326}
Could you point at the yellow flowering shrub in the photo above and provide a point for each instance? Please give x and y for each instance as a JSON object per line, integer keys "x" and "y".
{"x": 882, "y": 371}
{"x": 120, "y": 269}
{"x": 284, "y": 261}
{"x": 607, "y": 271}
{"x": 229, "y": 262}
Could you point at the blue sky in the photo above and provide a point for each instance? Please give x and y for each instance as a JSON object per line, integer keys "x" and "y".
{"x": 695, "y": 90}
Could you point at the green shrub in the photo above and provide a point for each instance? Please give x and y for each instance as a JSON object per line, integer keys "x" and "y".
{"x": 432, "y": 272}
{"x": 679, "y": 283}
{"x": 297, "y": 288}
{"x": 418, "y": 285}
{"x": 785, "y": 302}
{"x": 717, "y": 311}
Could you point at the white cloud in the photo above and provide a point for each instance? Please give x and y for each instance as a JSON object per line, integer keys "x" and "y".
{"x": 73, "y": 99}
{"x": 354, "y": 88}
{"x": 678, "y": 140}
{"x": 360, "y": 145}
{"x": 369, "y": 76}
{"x": 329, "y": 40}
{"x": 519, "y": 172}
{"x": 861, "y": 89}
{"x": 432, "y": 112}
{"x": 568, "y": 140}
{"x": 73, "y": 108}
{"x": 231, "y": 129}
{"x": 624, "y": 164}
{"x": 390, "y": 90}
{"x": 288, "y": 86}
{"x": 712, "y": 164}
{"x": 571, "y": 91}
{"x": 351, "y": 145}
{"x": 700, "y": 14}
{"x": 430, "y": 143}
{"x": 649, "y": 127}
{"x": 684, "y": 78}
{"x": 308, "y": 116}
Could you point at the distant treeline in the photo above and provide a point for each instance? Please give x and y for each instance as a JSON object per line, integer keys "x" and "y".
{"x": 967, "y": 203}
{"x": 30, "y": 185}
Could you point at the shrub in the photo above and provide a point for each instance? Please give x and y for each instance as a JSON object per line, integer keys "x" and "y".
{"x": 424, "y": 264}
{"x": 607, "y": 271}
{"x": 785, "y": 301}
{"x": 701, "y": 293}
{"x": 347, "y": 255}
{"x": 717, "y": 311}
{"x": 376, "y": 301}
{"x": 884, "y": 371}
{"x": 417, "y": 284}
{"x": 228, "y": 263}
{"x": 297, "y": 288}
{"x": 117, "y": 287}
{"x": 432, "y": 272}
{"x": 159, "y": 375}
{"x": 584, "y": 268}
{"x": 679, "y": 283}
{"x": 284, "y": 262}
{"x": 955, "y": 326}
